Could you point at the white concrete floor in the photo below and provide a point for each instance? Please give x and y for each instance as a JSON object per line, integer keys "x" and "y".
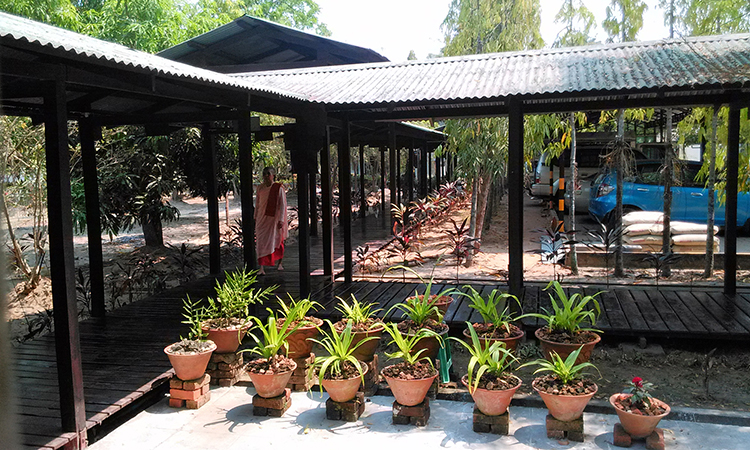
{"x": 226, "y": 422}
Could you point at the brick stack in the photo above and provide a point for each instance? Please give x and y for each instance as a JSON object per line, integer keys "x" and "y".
{"x": 411, "y": 415}
{"x": 372, "y": 377}
{"x": 191, "y": 394}
{"x": 491, "y": 424}
{"x": 347, "y": 411}
{"x": 274, "y": 406}
{"x": 571, "y": 430}
{"x": 655, "y": 441}
{"x": 300, "y": 381}
{"x": 225, "y": 368}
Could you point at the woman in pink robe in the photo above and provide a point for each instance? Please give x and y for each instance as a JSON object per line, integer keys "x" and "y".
{"x": 270, "y": 221}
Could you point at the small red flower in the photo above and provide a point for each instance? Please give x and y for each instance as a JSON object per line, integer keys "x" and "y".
{"x": 638, "y": 381}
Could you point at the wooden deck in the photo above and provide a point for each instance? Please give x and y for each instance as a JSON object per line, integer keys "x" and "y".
{"x": 125, "y": 368}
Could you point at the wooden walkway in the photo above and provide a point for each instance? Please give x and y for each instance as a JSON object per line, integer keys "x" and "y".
{"x": 125, "y": 369}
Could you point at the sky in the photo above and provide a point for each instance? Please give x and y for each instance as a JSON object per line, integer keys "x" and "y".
{"x": 394, "y": 27}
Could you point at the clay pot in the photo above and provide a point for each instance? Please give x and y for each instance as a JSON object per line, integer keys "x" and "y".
{"x": 431, "y": 345}
{"x": 189, "y": 366}
{"x": 566, "y": 349}
{"x": 299, "y": 344}
{"x": 638, "y": 426}
{"x": 271, "y": 385}
{"x": 565, "y": 407}
{"x": 492, "y": 402}
{"x": 366, "y": 351}
{"x": 409, "y": 392}
{"x": 343, "y": 390}
{"x": 227, "y": 340}
{"x": 511, "y": 343}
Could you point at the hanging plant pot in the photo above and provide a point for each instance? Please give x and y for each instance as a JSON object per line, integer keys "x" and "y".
{"x": 637, "y": 425}
{"x": 190, "y": 358}
{"x": 492, "y": 402}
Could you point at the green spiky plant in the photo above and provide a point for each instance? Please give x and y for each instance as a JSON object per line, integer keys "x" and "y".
{"x": 488, "y": 357}
{"x": 297, "y": 310}
{"x": 340, "y": 350}
{"x": 566, "y": 371}
{"x": 569, "y": 313}
{"x": 490, "y": 308}
{"x": 405, "y": 344}
{"x": 234, "y": 298}
{"x": 273, "y": 338}
{"x": 358, "y": 314}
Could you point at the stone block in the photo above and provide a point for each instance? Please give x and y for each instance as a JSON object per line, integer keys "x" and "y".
{"x": 491, "y": 424}
{"x": 347, "y": 411}
{"x": 571, "y": 430}
{"x": 620, "y": 437}
{"x": 655, "y": 441}
{"x": 417, "y": 415}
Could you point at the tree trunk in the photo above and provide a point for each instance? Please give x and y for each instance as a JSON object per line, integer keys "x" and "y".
{"x": 666, "y": 236}
{"x": 152, "y": 230}
{"x": 619, "y": 265}
{"x": 708, "y": 270}
{"x": 573, "y": 184}
{"x": 482, "y": 196}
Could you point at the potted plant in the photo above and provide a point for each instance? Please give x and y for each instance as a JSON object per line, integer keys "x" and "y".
{"x": 410, "y": 379}
{"x": 271, "y": 372}
{"x": 190, "y": 356}
{"x": 565, "y": 391}
{"x": 441, "y": 299}
{"x": 340, "y": 372}
{"x": 489, "y": 378}
{"x": 304, "y": 326}
{"x": 497, "y": 325}
{"x": 420, "y": 313}
{"x": 563, "y": 333}
{"x": 638, "y": 411}
{"x": 226, "y": 317}
{"x": 364, "y": 324}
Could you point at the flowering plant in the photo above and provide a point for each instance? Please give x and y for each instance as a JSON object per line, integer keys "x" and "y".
{"x": 639, "y": 388}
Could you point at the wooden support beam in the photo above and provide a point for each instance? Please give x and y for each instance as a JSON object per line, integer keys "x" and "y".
{"x": 313, "y": 182}
{"x": 362, "y": 185}
{"x": 345, "y": 198}
{"x": 93, "y": 220}
{"x": 393, "y": 164}
{"x": 246, "y": 189}
{"x": 303, "y": 208}
{"x": 410, "y": 173}
{"x": 212, "y": 200}
{"x": 62, "y": 265}
{"x": 515, "y": 198}
{"x": 430, "y": 174}
{"x": 730, "y": 212}
{"x": 327, "y": 205}
{"x": 423, "y": 156}
{"x": 382, "y": 182}
{"x": 399, "y": 181}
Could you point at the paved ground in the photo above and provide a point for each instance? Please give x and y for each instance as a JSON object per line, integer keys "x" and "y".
{"x": 226, "y": 422}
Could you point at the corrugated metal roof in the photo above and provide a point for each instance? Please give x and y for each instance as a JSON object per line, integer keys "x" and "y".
{"x": 713, "y": 61}
{"x": 21, "y": 29}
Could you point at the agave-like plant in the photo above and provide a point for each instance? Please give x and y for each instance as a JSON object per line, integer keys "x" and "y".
{"x": 566, "y": 370}
{"x": 489, "y": 308}
{"x": 273, "y": 336}
{"x": 405, "y": 344}
{"x": 491, "y": 357}
{"x": 339, "y": 348}
{"x": 570, "y": 312}
{"x": 356, "y": 312}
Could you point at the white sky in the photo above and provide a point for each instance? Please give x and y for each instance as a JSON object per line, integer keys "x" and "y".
{"x": 393, "y": 27}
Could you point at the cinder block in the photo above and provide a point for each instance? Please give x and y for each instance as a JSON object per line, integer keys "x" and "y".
{"x": 620, "y": 437}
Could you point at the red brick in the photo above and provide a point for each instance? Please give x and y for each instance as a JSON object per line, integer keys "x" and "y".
{"x": 226, "y": 358}
{"x": 558, "y": 425}
{"x": 226, "y": 382}
{"x": 223, "y": 373}
{"x": 175, "y": 383}
{"x": 205, "y": 389}
{"x": 191, "y": 385}
{"x": 348, "y": 411}
{"x": 228, "y": 367}
{"x": 491, "y": 424}
{"x": 555, "y": 434}
{"x": 655, "y": 441}
{"x": 176, "y": 403}
{"x": 280, "y": 402}
{"x": 185, "y": 395}
{"x": 417, "y": 415}
{"x": 620, "y": 437}
{"x": 200, "y": 401}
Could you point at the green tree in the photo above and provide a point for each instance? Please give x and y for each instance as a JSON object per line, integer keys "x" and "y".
{"x": 579, "y": 24}
{"x": 624, "y": 20}
{"x": 703, "y": 17}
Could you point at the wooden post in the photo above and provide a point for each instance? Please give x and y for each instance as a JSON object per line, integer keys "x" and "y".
{"x": 93, "y": 220}
{"x": 515, "y": 197}
{"x": 314, "y": 197}
{"x": 362, "y": 184}
{"x": 430, "y": 172}
{"x": 246, "y": 188}
{"x": 303, "y": 208}
{"x": 730, "y": 213}
{"x": 212, "y": 200}
{"x": 423, "y": 155}
{"x": 382, "y": 182}
{"x": 327, "y": 205}
{"x": 399, "y": 181}
{"x": 410, "y": 173}
{"x": 345, "y": 197}
{"x": 392, "y": 163}
{"x": 62, "y": 264}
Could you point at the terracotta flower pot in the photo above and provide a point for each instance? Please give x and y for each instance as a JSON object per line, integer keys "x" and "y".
{"x": 366, "y": 351}
{"x": 565, "y": 407}
{"x": 189, "y": 366}
{"x": 566, "y": 349}
{"x": 511, "y": 343}
{"x": 431, "y": 345}
{"x": 638, "y": 426}
{"x": 409, "y": 392}
{"x": 299, "y": 344}
{"x": 227, "y": 340}
{"x": 492, "y": 402}
{"x": 343, "y": 390}
{"x": 271, "y": 385}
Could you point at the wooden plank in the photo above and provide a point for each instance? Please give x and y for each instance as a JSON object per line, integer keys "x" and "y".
{"x": 614, "y": 313}
{"x": 724, "y": 311}
{"x": 530, "y": 304}
{"x": 652, "y": 317}
{"x": 633, "y": 315}
{"x": 397, "y": 294}
{"x": 689, "y": 314}
{"x": 670, "y": 318}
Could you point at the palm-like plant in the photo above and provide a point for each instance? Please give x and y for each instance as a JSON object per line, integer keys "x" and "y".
{"x": 234, "y": 297}
{"x": 570, "y": 312}
{"x": 405, "y": 344}
{"x": 490, "y": 357}
{"x": 566, "y": 371}
{"x": 357, "y": 313}
{"x": 273, "y": 337}
{"x": 490, "y": 310}
{"x": 340, "y": 350}
{"x": 297, "y": 310}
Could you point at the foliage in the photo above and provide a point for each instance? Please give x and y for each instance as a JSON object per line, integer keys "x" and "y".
{"x": 274, "y": 336}
{"x": 357, "y": 312}
{"x": 339, "y": 348}
{"x": 194, "y": 316}
{"x": 297, "y": 310}
{"x": 572, "y": 13}
{"x": 624, "y": 20}
{"x": 421, "y": 306}
{"x": 460, "y": 243}
{"x": 570, "y": 312}
{"x": 405, "y": 344}
{"x": 187, "y": 262}
{"x": 235, "y": 296}
{"x": 639, "y": 388}
{"x": 660, "y": 261}
{"x": 554, "y": 241}
{"x": 489, "y": 309}
{"x": 604, "y": 239}
{"x": 566, "y": 371}
{"x": 491, "y": 357}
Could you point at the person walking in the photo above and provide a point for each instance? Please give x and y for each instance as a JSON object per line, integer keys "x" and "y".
{"x": 271, "y": 229}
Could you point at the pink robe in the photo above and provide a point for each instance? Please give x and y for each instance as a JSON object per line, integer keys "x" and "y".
{"x": 268, "y": 236}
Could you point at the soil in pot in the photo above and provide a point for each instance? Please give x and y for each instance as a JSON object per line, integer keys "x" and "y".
{"x": 190, "y": 358}
{"x": 226, "y": 333}
{"x": 299, "y": 344}
{"x": 622, "y": 402}
{"x": 565, "y": 343}
{"x": 277, "y": 364}
{"x": 372, "y": 327}
{"x": 404, "y": 371}
{"x": 487, "y": 331}
{"x": 552, "y": 385}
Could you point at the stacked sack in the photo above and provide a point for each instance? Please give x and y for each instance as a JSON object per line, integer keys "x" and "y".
{"x": 645, "y": 228}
